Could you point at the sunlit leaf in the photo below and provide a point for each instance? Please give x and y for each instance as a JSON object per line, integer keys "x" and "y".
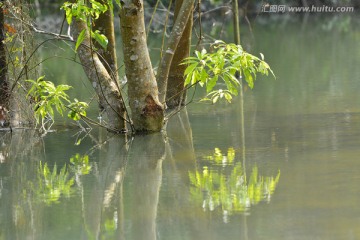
{"x": 214, "y": 100}
{"x": 190, "y": 68}
{"x": 100, "y": 38}
{"x": 211, "y": 83}
{"x": 222, "y": 64}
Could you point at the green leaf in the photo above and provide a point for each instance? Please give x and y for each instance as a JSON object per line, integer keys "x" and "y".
{"x": 232, "y": 89}
{"x": 190, "y": 68}
{"x": 188, "y": 79}
{"x": 100, "y": 38}
{"x": 194, "y": 77}
{"x": 249, "y": 79}
{"x": 80, "y": 39}
{"x": 203, "y": 76}
{"x": 214, "y": 100}
{"x": 69, "y": 16}
{"x": 228, "y": 97}
{"x": 211, "y": 83}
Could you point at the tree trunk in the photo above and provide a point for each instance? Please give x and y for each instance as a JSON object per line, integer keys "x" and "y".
{"x": 175, "y": 92}
{"x": 105, "y": 24}
{"x": 174, "y": 39}
{"x": 147, "y": 111}
{"x": 4, "y": 84}
{"x": 105, "y": 87}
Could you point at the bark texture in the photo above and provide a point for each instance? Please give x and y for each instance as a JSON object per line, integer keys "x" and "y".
{"x": 175, "y": 92}
{"x": 105, "y": 87}
{"x": 105, "y": 24}
{"x": 147, "y": 111}
{"x": 174, "y": 39}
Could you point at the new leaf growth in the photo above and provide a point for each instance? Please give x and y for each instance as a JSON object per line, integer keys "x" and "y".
{"x": 222, "y": 64}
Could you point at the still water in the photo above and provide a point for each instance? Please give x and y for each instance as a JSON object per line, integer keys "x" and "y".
{"x": 294, "y": 175}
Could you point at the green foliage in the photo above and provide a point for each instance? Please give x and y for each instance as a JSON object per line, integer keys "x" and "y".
{"x": 219, "y": 158}
{"x": 51, "y": 185}
{"x": 82, "y": 11}
{"x": 87, "y": 13}
{"x": 222, "y": 64}
{"x": 47, "y": 96}
{"x": 216, "y": 187}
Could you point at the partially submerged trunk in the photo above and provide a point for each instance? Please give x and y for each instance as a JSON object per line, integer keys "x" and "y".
{"x": 175, "y": 92}
{"x": 147, "y": 111}
{"x": 105, "y": 87}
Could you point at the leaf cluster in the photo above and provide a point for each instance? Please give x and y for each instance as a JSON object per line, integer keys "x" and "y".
{"x": 87, "y": 12}
{"x": 47, "y": 96}
{"x": 221, "y": 65}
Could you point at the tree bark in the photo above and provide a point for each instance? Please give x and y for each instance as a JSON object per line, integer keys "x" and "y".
{"x": 147, "y": 111}
{"x": 105, "y": 87}
{"x": 174, "y": 39}
{"x": 175, "y": 92}
{"x": 105, "y": 24}
{"x": 4, "y": 84}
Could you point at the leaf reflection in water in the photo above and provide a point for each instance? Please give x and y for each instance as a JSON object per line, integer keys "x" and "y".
{"x": 222, "y": 184}
{"x": 51, "y": 185}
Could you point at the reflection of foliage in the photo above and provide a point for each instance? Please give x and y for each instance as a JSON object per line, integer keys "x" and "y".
{"x": 51, "y": 185}
{"x": 230, "y": 190}
{"x": 80, "y": 164}
{"x": 219, "y": 158}
{"x": 109, "y": 229}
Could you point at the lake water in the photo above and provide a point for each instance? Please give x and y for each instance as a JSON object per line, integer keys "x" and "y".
{"x": 293, "y": 174}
